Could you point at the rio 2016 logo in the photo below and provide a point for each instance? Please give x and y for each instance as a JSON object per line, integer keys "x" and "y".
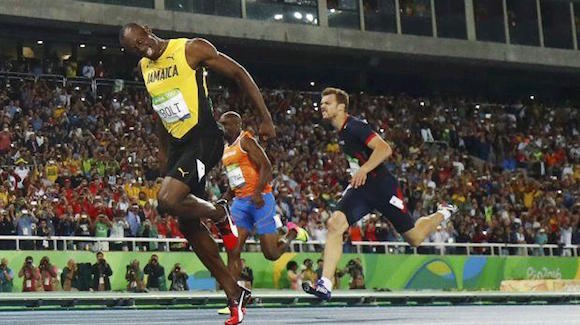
{"x": 543, "y": 273}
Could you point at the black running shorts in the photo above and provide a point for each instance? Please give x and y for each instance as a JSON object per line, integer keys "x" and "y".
{"x": 381, "y": 193}
{"x": 191, "y": 160}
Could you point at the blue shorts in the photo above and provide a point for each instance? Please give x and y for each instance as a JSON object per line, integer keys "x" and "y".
{"x": 262, "y": 220}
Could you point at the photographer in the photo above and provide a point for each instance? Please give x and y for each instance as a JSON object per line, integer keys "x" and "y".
{"x": 247, "y": 275}
{"x": 355, "y": 270}
{"x": 6, "y": 276}
{"x": 320, "y": 264}
{"x": 308, "y": 273}
{"x": 69, "y": 279}
{"x": 47, "y": 274}
{"x": 30, "y": 275}
{"x": 293, "y": 275}
{"x": 178, "y": 279}
{"x": 134, "y": 277}
{"x": 156, "y": 274}
{"x": 101, "y": 273}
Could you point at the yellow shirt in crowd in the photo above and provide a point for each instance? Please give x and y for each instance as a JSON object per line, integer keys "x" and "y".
{"x": 458, "y": 198}
{"x": 152, "y": 191}
{"x": 332, "y": 147}
{"x": 51, "y": 172}
{"x": 132, "y": 190}
{"x": 529, "y": 198}
{"x": 4, "y": 197}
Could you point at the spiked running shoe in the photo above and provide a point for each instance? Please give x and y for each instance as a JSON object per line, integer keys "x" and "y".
{"x": 319, "y": 290}
{"x": 227, "y": 228}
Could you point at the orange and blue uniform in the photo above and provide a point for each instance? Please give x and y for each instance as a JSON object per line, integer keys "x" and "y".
{"x": 244, "y": 176}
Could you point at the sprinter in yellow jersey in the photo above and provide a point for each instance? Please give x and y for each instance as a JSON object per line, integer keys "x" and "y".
{"x": 254, "y": 208}
{"x": 190, "y": 139}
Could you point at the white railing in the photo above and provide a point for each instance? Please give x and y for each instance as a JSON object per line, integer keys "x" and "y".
{"x": 499, "y": 249}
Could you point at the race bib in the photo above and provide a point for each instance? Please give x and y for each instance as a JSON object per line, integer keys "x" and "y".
{"x": 353, "y": 165}
{"x": 235, "y": 176}
{"x": 171, "y": 106}
{"x": 101, "y": 280}
{"x": 29, "y": 283}
{"x": 46, "y": 281}
{"x": 24, "y": 231}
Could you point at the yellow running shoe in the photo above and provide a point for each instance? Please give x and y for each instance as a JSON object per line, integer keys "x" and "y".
{"x": 224, "y": 311}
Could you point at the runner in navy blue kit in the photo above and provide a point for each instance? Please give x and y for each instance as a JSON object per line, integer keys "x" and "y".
{"x": 371, "y": 187}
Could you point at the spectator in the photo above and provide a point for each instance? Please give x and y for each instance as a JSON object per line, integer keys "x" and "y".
{"x": 6, "y": 276}
{"x": 7, "y": 229}
{"x": 566, "y": 238}
{"x": 247, "y": 275}
{"x": 101, "y": 273}
{"x": 294, "y": 276}
{"x": 43, "y": 230}
{"x": 135, "y": 277}
{"x": 440, "y": 236}
{"x": 101, "y": 230}
{"x": 5, "y": 140}
{"x": 30, "y": 275}
{"x": 88, "y": 70}
{"x": 48, "y": 274}
{"x": 319, "y": 232}
{"x": 65, "y": 226}
{"x": 370, "y": 229}
{"x": 541, "y": 239}
{"x": 25, "y": 225}
{"x": 133, "y": 220}
{"x": 118, "y": 229}
{"x": 22, "y": 171}
{"x": 178, "y": 278}
{"x": 83, "y": 229}
{"x": 355, "y": 233}
{"x": 100, "y": 70}
{"x": 156, "y": 275}
{"x": 69, "y": 279}
{"x": 148, "y": 229}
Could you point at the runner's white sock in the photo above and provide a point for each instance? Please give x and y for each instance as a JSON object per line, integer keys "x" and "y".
{"x": 326, "y": 283}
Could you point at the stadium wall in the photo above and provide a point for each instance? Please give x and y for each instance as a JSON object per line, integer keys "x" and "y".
{"x": 394, "y": 272}
{"x": 69, "y": 12}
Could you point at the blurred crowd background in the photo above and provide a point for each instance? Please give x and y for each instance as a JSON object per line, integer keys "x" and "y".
{"x": 75, "y": 161}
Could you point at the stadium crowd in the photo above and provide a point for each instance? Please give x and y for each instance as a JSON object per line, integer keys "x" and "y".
{"x": 75, "y": 163}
